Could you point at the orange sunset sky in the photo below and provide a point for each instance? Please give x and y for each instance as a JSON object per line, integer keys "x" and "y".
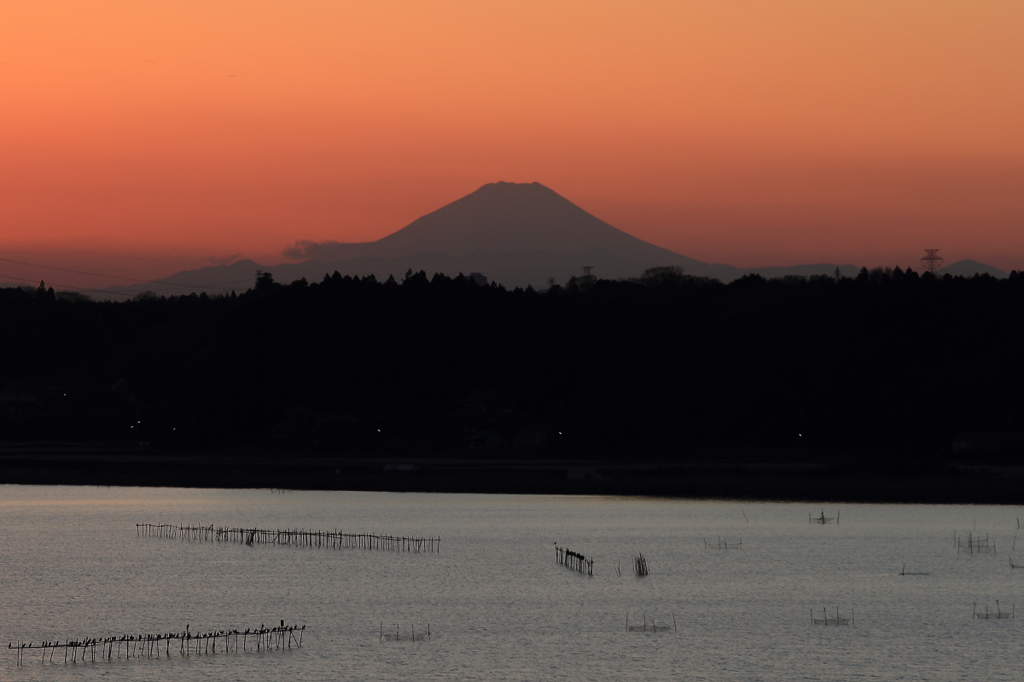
{"x": 142, "y": 138}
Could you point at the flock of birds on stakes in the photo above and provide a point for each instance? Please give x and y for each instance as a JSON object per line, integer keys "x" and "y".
{"x": 188, "y": 643}
{"x": 263, "y": 638}
{"x": 284, "y": 636}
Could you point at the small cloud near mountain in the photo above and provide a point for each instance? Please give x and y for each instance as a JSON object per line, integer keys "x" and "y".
{"x": 224, "y": 260}
{"x": 304, "y": 250}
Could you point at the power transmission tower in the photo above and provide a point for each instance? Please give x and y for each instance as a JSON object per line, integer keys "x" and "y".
{"x": 932, "y": 261}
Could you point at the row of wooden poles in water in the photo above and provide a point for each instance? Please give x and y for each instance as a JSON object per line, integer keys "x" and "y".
{"x": 997, "y": 614}
{"x": 574, "y": 560}
{"x": 653, "y": 627}
{"x": 973, "y": 543}
{"x": 154, "y": 645}
{"x": 399, "y": 636}
{"x": 578, "y": 562}
{"x": 826, "y": 620}
{"x": 331, "y": 539}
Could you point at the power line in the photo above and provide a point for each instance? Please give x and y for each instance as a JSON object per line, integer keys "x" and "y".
{"x": 129, "y": 279}
{"x": 67, "y": 286}
{"x": 77, "y": 272}
{"x": 104, "y": 292}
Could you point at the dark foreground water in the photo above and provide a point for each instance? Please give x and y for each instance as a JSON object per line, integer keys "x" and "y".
{"x": 498, "y": 606}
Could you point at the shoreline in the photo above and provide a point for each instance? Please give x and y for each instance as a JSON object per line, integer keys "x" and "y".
{"x": 845, "y": 481}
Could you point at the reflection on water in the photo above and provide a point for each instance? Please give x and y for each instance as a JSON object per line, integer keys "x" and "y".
{"x": 735, "y": 591}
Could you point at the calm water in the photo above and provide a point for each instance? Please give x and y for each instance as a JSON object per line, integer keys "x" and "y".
{"x": 498, "y": 605}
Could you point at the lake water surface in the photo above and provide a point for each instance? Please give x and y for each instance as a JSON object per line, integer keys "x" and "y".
{"x": 498, "y": 605}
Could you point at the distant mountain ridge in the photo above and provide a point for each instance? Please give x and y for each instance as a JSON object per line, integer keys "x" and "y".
{"x": 969, "y": 268}
{"x": 517, "y": 234}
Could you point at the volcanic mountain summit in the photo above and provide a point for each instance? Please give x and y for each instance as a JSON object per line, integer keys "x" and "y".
{"x": 515, "y": 233}
{"x": 510, "y": 217}
{"x": 501, "y": 217}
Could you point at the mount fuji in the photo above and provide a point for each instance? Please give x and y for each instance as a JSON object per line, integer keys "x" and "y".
{"x": 517, "y": 234}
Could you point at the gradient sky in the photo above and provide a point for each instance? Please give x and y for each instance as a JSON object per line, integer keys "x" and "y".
{"x": 142, "y": 138}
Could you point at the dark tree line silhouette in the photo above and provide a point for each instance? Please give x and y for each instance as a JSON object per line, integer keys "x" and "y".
{"x": 665, "y": 366}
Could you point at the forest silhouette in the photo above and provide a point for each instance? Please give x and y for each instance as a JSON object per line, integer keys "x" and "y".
{"x": 885, "y": 366}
